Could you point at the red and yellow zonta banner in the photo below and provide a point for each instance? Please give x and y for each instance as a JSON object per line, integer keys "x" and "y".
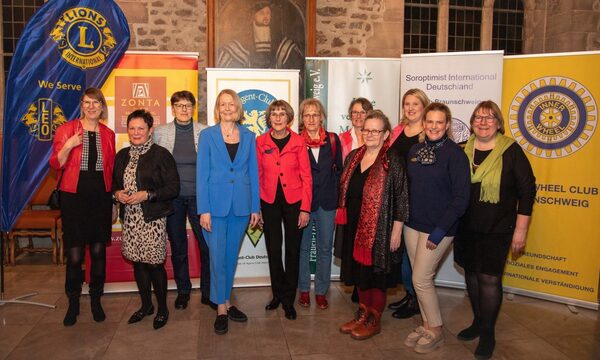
{"x": 551, "y": 107}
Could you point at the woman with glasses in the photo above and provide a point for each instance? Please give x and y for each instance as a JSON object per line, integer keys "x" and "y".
{"x": 372, "y": 206}
{"x": 325, "y": 154}
{"x": 438, "y": 177}
{"x": 83, "y": 154}
{"x": 180, "y": 137}
{"x": 353, "y": 138}
{"x": 285, "y": 196}
{"x": 496, "y": 221}
{"x": 228, "y": 198}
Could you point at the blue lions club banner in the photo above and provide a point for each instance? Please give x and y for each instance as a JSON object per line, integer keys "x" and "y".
{"x": 67, "y": 46}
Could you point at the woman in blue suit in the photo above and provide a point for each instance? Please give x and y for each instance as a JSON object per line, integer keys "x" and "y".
{"x": 228, "y": 198}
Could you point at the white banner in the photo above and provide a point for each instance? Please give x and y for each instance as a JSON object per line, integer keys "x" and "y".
{"x": 257, "y": 88}
{"x": 460, "y": 80}
{"x": 337, "y": 81}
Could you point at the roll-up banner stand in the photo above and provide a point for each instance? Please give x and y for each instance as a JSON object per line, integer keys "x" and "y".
{"x": 551, "y": 109}
{"x": 145, "y": 80}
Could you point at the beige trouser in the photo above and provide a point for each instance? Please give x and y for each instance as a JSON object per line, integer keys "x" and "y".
{"x": 424, "y": 263}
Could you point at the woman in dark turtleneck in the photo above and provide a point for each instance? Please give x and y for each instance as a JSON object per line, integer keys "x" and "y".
{"x": 180, "y": 137}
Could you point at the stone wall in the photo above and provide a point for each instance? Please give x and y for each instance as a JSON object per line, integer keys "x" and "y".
{"x": 344, "y": 26}
{"x": 170, "y": 25}
{"x": 572, "y": 25}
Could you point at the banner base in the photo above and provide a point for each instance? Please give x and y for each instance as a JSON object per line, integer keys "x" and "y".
{"x": 528, "y": 293}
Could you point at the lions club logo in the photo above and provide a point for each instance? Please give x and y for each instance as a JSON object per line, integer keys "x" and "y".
{"x": 42, "y": 119}
{"x": 553, "y": 117}
{"x": 83, "y": 37}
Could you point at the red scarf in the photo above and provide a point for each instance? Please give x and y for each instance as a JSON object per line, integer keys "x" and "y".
{"x": 310, "y": 142}
{"x": 371, "y": 202}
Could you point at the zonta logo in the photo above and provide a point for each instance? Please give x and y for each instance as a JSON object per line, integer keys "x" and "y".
{"x": 140, "y": 96}
{"x": 83, "y": 37}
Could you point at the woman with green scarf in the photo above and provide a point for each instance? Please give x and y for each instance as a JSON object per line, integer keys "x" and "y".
{"x": 500, "y": 206}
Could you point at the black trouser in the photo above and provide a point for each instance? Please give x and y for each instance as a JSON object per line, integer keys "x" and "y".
{"x": 284, "y": 281}
{"x": 74, "y": 275}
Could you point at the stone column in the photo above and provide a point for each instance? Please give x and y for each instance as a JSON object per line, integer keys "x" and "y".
{"x": 487, "y": 25}
{"x": 442, "y": 25}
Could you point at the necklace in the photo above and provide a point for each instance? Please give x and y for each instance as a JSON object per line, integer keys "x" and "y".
{"x": 224, "y": 131}
{"x": 95, "y": 126}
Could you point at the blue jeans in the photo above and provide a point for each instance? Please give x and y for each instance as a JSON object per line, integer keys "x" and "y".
{"x": 324, "y": 221}
{"x": 185, "y": 207}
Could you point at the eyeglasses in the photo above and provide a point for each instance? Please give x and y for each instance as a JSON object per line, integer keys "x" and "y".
{"x": 486, "y": 119}
{"x": 311, "y": 116}
{"x": 367, "y": 132}
{"x": 183, "y": 106}
{"x": 356, "y": 113}
{"x": 92, "y": 103}
{"x": 278, "y": 115}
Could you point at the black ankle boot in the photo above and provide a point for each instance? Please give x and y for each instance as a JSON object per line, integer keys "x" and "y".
{"x": 487, "y": 343}
{"x": 72, "y": 312}
{"x": 97, "y": 310}
{"x": 410, "y": 309}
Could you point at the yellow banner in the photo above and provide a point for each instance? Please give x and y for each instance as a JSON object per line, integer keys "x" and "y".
{"x": 146, "y": 80}
{"x": 551, "y": 108}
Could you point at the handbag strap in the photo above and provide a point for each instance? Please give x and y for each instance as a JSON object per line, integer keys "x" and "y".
{"x": 59, "y": 181}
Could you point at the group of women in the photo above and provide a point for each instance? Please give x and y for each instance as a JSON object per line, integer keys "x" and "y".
{"x": 433, "y": 193}
{"x": 397, "y": 196}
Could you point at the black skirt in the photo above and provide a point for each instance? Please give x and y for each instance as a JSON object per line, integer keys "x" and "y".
{"x": 482, "y": 253}
{"x": 87, "y": 214}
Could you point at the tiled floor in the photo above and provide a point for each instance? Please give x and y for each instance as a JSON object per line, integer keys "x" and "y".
{"x": 526, "y": 329}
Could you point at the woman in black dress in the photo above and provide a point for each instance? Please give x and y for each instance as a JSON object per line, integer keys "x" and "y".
{"x": 373, "y": 203}
{"x": 500, "y": 206}
{"x": 83, "y": 153}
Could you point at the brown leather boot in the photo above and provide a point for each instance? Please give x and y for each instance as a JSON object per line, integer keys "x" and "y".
{"x": 371, "y": 326}
{"x": 359, "y": 317}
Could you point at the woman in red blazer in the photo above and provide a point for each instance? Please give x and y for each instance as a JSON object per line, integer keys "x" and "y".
{"x": 285, "y": 195}
{"x": 84, "y": 154}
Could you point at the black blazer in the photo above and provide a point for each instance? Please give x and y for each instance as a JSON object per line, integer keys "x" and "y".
{"x": 326, "y": 174}
{"x": 157, "y": 174}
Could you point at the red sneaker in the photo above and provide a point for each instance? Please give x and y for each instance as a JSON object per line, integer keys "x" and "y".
{"x": 321, "y": 302}
{"x": 304, "y": 299}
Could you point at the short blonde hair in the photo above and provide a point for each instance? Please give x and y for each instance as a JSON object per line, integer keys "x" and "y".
{"x": 236, "y": 101}
{"x": 378, "y": 114}
{"x": 312, "y": 102}
{"x": 436, "y": 106}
